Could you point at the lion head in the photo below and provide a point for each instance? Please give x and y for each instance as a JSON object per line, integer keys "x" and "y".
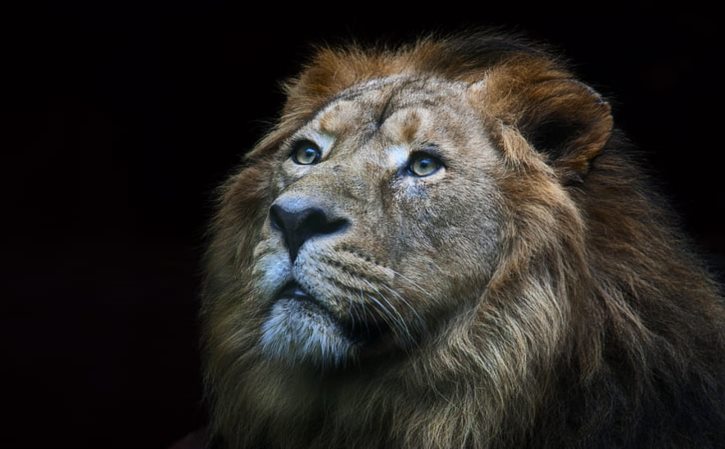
{"x": 444, "y": 246}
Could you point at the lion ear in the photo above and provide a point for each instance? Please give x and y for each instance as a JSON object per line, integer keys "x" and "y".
{"x": 563, "y": 119}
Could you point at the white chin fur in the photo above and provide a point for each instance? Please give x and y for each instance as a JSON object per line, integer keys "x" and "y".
{"x": 295, "y": 332}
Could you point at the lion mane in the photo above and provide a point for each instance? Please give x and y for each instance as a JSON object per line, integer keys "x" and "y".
{"x": 597, "y": 327}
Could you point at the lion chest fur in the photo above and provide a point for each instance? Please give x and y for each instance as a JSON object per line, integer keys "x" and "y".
{"x": 446, "y": 246}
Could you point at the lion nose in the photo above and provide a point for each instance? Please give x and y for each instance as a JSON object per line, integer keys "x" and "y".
{"x": 298, "y": 222}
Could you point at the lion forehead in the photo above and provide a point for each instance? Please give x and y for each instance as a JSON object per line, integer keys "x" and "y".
{"x": 399, "y": 105}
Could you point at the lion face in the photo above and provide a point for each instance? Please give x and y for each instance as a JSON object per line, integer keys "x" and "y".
{"x": 384, "y": 207}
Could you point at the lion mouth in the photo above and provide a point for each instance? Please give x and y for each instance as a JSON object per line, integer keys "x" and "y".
{"x": 306, "y": 307}
{"x": 300, "y": 327}
{"x": 294, "y": 291}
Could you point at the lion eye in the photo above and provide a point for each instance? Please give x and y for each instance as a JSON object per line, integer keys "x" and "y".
{"x": 306, "y": 153}
{"x": 422, "y": 164}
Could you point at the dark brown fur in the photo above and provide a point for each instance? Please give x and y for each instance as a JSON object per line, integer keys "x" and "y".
{"x": 611, "y": 332}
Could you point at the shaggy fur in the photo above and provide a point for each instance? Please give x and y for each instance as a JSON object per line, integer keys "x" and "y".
{"x": 543, "y": 297}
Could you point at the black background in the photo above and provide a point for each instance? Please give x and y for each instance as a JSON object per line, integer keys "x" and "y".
{"x": 130, "y": 115}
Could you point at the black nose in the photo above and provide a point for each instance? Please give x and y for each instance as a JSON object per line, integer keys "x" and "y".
{"x": 299, "y": 224}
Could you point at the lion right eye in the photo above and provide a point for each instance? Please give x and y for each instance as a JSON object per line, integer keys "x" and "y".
{"x": 306, "y": 152}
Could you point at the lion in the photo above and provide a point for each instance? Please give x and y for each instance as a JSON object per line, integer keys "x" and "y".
{"x": 448, "y": 244}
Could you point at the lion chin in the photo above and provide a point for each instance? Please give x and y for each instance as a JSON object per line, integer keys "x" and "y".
{"x": 449, "y": 245}
{"x": 299, "y": 329}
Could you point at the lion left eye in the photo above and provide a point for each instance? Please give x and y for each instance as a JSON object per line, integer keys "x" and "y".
{"x": 306, "y": 153}
{"x": 423, "y": 164}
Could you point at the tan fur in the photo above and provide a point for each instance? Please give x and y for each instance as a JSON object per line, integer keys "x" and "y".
{"x": 592, "y": 325}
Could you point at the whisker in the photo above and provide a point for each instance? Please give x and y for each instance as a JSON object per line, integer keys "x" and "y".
{"x": 398, "y": 317}
{"x": 419, "y": 322}
{"x": 352, "y": 312}
{"x": 385, "y": 314}
{"x": 384, "y": 298}
{"x": 412, "y": 283}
